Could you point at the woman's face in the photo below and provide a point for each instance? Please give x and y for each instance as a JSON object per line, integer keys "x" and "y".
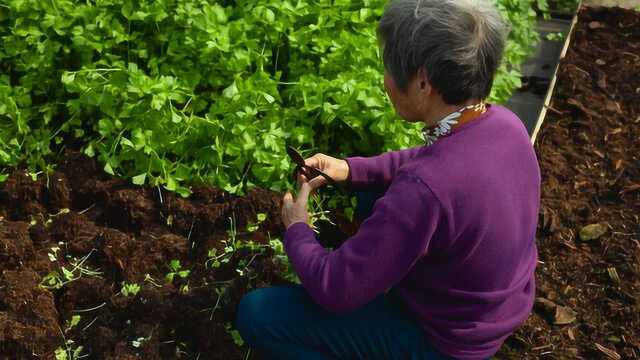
{"x": 412, "y": 104}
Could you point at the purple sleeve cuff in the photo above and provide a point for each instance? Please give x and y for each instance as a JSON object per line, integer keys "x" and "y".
{"x": 359, "y": 177}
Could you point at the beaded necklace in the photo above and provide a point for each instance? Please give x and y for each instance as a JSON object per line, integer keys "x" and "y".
{"x": 451, "y": 121}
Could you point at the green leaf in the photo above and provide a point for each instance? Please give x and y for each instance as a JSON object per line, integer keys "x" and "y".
{"x": 175, "y": 118}
{"x": 61, "y": 354}
{"x": 174, "y": 265}
{"x": 108, "y": 169}
{"x": 139, "y": 179}
{"x": 89, "y": 151}
{"x": 126, "y": 142}
{"x": 270, "y": 16}
{"x": 270, "y": 99}
{"x": 230, "y": 91}
{"x": 68, "y": 275}
{"x": 171, "y": 184}
{"x": 68, "y": 78}
{"x": 75, "y": 320}
{"x": 183, "y": 191}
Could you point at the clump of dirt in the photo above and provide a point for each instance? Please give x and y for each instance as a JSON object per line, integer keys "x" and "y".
{"x": 15, "y": 245}
{"x": 22, "y": 195}
{"x": 124, "y": 271}
{"x": 28, "y": 316}
{"x": 59, "y": 194}
{"x": 588, "y": 277}
{"x": 77, "y": 232}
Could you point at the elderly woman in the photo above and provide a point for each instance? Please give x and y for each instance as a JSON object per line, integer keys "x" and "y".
{"x": 444, "y": 265}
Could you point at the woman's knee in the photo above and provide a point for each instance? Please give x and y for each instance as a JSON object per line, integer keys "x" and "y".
{"x": 248, "y": 315}
{"x": 258, "y": 311}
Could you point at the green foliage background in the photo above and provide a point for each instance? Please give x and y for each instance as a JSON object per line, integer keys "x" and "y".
{"x": 175, "y": 92}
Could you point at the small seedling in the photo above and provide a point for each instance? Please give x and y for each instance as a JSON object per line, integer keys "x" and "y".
{"x": 148, "y": 278}
{"x": 130, "y": 289}
{"x": 215, "y": 260}
{"x": 57, "y": 279}
{"x": 235, "y": 335}
{"x": 253, "y": 227}
{"x": 34, "y": 175}
{"x": 280, "y": 257}
{"x": 52, "y": 216}
{"x": 53, "y": 254}
{"x": 75, "y": 320}
{"x": 176, "y": 270}
{"x": 69, "y": 352}
{"x": 137, "y": 343}
{"x": 52, "y": 280}
{"x": 184, "y": 289}
{"x": 232, "y": 244}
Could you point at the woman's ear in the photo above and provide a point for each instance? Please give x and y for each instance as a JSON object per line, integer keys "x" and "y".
{"x": 423, "y": 82}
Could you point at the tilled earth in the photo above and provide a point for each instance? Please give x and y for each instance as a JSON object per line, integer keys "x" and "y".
{"x": 588, "y": 277}
{"x": 99, "y": 232}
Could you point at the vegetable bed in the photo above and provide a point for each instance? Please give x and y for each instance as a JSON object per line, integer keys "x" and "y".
{"x": 118, "y": 271}
{"x": 588, "y": 277}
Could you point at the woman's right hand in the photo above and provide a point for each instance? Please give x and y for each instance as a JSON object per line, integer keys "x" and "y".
{"x": 337, "y": 169}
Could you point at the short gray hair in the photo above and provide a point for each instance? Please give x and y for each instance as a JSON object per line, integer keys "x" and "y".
{"x": 458, "y": 43}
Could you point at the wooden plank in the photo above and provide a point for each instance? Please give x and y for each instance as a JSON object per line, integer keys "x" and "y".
{"x": 552, "y": 85}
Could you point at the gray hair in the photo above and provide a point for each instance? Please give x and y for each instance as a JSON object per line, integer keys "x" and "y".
{"x": 458, "y": 43}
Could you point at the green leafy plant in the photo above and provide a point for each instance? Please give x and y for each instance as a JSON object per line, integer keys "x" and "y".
{"x": 280, "y": 257}
{"x": 137, "y": 343}
{"x": 253, "y": 227}
{"x": 129, "y": 289}
{"x": 56, "y": 279}
{"x": 69, "y": 351}
{"x": 215, "y": 259}
{"x": 175, "y": 92}
{"x": 235, "y": 334}
{"x": 175, "y": 269}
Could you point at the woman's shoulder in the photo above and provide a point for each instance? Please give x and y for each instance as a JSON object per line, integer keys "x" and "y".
{"x": 497, "y": 148}
{"x": 506, "y": 118}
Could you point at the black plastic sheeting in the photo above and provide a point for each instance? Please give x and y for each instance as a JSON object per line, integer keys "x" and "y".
{"x": 538, "y": 71}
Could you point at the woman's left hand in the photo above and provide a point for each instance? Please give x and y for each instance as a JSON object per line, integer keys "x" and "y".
{"x": 296, "y": 211}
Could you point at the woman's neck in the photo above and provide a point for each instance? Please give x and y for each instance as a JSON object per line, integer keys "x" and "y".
{"x": 440, "y": 110}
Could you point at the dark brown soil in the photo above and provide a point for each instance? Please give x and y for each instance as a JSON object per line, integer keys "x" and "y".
{"x": 589, "y": 151}
{"x": 126, "y": 234}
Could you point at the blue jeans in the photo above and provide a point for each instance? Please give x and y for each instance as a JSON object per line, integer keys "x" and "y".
{"x": 285, "y": 323}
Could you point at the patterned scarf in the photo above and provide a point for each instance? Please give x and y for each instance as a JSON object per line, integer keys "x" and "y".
{"x": 446, "y": 125}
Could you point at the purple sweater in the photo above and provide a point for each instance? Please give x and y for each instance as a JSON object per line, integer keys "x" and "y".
{"x": 454, "y": 235}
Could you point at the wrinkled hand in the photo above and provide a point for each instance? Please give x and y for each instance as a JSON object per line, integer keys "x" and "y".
{"x": 336, "y": 168}
{"x": 296, "y": 211}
